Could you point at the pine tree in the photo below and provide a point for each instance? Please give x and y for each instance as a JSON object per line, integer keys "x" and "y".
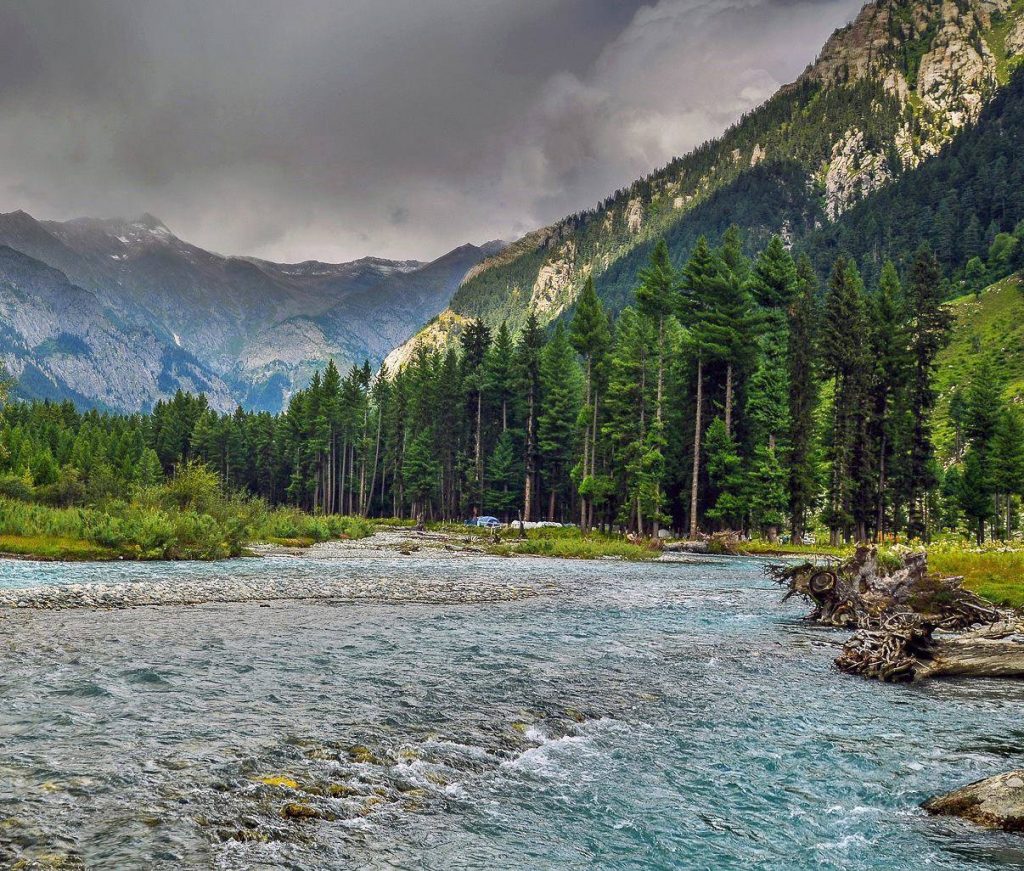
{"x": 1008, "y": 460}
{"x": 421, "y": 471}
{"x": 768, "y": 499}
{"x": 499, "y": 379}
{"x": 560, "y": 402}
{"x": 591, "y": 339}
{"x": 629, "y": 402}
{"x": 976, "y": 492}
{"x": 657, "y": 298}
{"x": 475, "y": 341}
{"x": 891, "y": 361}
{"x": 730, "y": 324}
{"x": 695, "y": 305}
{"x": 984, "y": 411}
{"x": 802, "y": 369}
{"x": 929, "y": 335}
{"x": 725, "y": 475}
{"x": 504, "y": 477}
{"x": 844, "y": 362}
{"x": 528, "y": 376}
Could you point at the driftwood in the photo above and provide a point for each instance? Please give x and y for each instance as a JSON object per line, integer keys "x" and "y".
{"x": 724, "y": 542}
{"x": 909, "y": 624}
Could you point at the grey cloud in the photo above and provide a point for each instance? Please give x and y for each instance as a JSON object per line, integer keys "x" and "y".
{"x": 400, "y": 128}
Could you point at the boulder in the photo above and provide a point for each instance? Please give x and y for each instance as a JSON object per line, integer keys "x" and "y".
{"x": 995, "y": 802}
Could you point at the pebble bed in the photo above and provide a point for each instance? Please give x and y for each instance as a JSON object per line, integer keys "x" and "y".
{"x": 396, "y": 590}
{"x": 141, "y": 594}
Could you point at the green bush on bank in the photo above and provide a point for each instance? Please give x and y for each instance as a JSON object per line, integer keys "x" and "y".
{"x": 569, "y": 542}
{"x": 188, "y": 517}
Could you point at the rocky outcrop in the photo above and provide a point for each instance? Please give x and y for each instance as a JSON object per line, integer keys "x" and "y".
{"x": 634, "y": 215}
{"x": 853, "y": 173}
{"x": 995, "y": 802}
{"x": 954, "y": 74}
{"x": 1015, "y": 40}
{"x": 958, "y": 74}
{"x": 548, "y": 296}
{"x": 437, "y": 335}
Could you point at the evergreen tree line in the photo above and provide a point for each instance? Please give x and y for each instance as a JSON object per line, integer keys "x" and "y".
{"x": 733, "y": 393}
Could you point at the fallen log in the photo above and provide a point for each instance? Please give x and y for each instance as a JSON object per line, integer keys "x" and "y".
{"x": 908, "y": 648}
{"x": 909, "y": 624}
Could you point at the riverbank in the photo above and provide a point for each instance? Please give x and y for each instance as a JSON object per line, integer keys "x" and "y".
{"x": 994, "y": 571}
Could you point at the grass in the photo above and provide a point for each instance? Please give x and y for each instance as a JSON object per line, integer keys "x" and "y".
{"x": 760, "y": 547}
{"x": 571, "y": 543}
{"x": 993, "y": 572}
{"x": 53, "y": 547}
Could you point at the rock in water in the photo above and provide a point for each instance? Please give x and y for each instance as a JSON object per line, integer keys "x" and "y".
{"x": 995, "y": 802}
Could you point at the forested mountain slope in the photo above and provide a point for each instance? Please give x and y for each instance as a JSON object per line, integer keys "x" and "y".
{"x": 988, "y": 325}
{"x": 886, "y": 94}
{"x": 256, "y": 329}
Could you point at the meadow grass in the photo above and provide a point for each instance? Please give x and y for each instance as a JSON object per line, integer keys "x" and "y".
{"x": 570, "y": 543}
{"x": 53, "y": 547}
{"x": 995, "y": 571}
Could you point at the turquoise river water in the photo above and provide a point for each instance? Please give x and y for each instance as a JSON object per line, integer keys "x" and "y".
{"x": 638, "y": 717}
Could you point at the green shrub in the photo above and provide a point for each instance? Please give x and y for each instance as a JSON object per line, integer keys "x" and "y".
{"x": 16, "y": 487}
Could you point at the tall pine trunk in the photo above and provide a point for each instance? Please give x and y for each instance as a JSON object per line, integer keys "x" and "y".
{"x": 696, "y": 449}
{"x": 528, "y": 486}
{"x": 586, "y": 449}
{"x": 373, "y": 478}
{"x": 479, "y": 447}
{"x": 728, "y": 399}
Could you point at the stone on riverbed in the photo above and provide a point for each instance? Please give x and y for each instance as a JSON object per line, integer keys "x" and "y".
{"x": 995, "y": 802}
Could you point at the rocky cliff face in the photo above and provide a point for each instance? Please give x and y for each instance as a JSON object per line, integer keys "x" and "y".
{"x": 886, "y": 93}
{"x": 242, "y": 329}
{"x": 941, "y": 62}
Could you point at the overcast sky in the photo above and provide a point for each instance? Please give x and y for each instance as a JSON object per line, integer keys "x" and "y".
{"x": 333, "y": 129}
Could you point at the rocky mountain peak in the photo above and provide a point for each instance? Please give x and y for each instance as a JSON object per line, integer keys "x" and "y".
{"x": 941, "y": 61}
{"x": 149, "y": 222}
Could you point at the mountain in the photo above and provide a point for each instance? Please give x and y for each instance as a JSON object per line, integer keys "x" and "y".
{"x": 886, "y": 94}
{"x": 62, "y": 343}
{"x": 256, "y": 330}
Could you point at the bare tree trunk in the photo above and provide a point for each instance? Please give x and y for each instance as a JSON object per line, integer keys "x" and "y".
{"x": 586, "y": 450}
{"x": 593, "y": 458}
{"x": 696, "y": 450}
{"x": 528, "y": 495}
{"x": 728, "y": 399}
{"x": 479, "y": 447}
{"x": 373, "y": 479}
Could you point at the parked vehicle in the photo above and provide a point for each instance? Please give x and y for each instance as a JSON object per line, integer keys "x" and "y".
{"x": 486, "y": 522}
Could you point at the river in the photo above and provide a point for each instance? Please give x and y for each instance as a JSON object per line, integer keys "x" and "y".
{"x": 666, "y": 715}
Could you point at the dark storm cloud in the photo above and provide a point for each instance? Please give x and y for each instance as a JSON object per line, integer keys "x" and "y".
{"x": 333, "y": 129}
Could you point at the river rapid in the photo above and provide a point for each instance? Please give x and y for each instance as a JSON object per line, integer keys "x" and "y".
{"x": 665, "y": 715}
